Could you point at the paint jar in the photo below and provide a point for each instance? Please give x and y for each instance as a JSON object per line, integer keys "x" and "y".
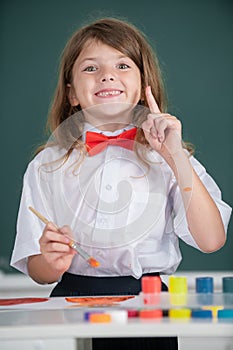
{"x": 151, "y": 314}
{"x": 151, "y": 289}
{"x": 227, "y": 289}
{"x": 200, "y": 313}
{"x": 204, "y": 289}
{"x": 183, "y": 313}
{"x": 225, "y": 314}
{"x": 178, "y": 290}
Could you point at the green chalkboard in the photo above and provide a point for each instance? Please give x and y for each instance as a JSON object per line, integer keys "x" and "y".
{"x": 194, "y": 41}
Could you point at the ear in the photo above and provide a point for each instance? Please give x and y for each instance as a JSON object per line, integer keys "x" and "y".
{"x": 71, "y": 95}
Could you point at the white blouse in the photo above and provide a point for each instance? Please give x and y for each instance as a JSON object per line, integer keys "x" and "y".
{"x": 126, "y": 216}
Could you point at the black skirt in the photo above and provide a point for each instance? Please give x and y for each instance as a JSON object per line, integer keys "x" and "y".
{"x": 76, "y": 285}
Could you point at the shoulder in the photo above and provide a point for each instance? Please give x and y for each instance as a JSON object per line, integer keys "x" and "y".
{"x": 50, "y": 153}
{"x": 46, "y": 157}
{"x": 198, "y": 166}
{"x": 53, "y": 158}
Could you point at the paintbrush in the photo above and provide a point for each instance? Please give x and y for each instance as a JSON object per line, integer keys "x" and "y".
{"x": 91, "y": 261}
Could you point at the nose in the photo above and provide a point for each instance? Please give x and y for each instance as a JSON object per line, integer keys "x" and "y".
{"x": 107, "y": 75}
{"x": 107, "y": 78}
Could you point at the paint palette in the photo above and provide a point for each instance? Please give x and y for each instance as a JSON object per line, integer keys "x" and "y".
{"x": 103, "y": 301}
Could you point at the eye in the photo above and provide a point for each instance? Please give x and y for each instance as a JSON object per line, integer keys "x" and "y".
{"x": 90, "y": 69}
{"x": 123, "y": 66}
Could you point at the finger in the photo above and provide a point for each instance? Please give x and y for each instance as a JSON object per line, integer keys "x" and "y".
{"x": 67, "y": 232}
{"x": 53, "y": 236}
{"x": 161, "y": 126}
{"x": 151, "y": 101}
{"x": 58, "y": 237}
{"x": 51, "y": 227}
{"x": 55, "y": 247}
{"x": 153, "y": 128}
{"x": 148, "y": 123}
{"x": 149, "y": 127}
{"x": 166, "y": 123}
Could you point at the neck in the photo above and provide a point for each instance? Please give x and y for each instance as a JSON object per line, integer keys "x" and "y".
{"x": 111, "y": 126}
{"x": 109, "y": 117}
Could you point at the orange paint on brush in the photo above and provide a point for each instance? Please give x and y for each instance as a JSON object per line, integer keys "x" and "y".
{"x": 93, "y": 262}
{"x": 74, "y": 245}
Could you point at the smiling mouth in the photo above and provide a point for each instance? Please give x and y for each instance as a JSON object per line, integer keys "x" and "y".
{"x": 108, "y": 93}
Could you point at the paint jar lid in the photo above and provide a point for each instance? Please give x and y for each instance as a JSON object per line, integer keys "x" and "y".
{"x": 204, "y": 285}
{"x": 227, "y": 284}
{"x": 178, "y": 285}
{"x": 99, "y": 318}
{"x": 179, "y": 313}
{"x": 133, "y": 313}
{"x": 225, "y": 313}
{"x": 151, "y": 284}
{"x": 88, "y": 313}
{"x": 149, "y": 313}
{"x": 201, "y": 313}
{"x": 118, "y": 316}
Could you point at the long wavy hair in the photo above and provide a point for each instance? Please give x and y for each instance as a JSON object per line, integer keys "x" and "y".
{"x": 124, "y": 37}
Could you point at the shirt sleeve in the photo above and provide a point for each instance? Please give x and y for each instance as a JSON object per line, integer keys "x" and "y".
{"x": 180, "y": 224}
{"x": 29, "y": 228}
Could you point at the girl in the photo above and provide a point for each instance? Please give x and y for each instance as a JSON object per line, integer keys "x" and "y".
{"x": 126, "y": 199}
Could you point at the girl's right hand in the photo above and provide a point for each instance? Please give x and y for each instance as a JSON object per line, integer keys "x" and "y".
{"x": 54, "y": 246}
{"x": 162, "y": 130}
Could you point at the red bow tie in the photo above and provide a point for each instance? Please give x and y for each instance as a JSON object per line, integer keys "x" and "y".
{"x": 96, "y": 143}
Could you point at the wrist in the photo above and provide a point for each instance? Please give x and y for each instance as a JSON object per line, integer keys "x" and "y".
{"x": 175, "y": 158}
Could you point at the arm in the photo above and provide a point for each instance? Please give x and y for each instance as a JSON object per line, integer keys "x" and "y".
{"x": 203, "y": 217}
{"x": 55, "y": 258}
{"x": 163, "y": 132}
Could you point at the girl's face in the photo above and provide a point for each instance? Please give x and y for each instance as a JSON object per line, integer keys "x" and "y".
{"x": 102, "y": 74}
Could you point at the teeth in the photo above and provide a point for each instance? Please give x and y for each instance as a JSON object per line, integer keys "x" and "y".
{"x": 108, "y": 93}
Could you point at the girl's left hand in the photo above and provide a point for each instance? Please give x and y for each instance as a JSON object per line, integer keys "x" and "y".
{"x": 162, "y": 130}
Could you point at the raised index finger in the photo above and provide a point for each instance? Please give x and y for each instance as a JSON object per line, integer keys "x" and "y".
{"x": 151, "y": 101}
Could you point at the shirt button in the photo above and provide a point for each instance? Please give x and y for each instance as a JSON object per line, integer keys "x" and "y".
{"x": 108, "y": 187}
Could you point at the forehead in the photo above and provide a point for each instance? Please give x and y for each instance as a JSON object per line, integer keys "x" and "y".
{"x": 98, "y": 48}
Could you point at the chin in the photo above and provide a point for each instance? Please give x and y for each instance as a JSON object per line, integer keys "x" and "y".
{"x": 114, "y": 110}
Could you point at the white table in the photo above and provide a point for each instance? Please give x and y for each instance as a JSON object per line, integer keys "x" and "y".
{"x": 67, "y": 323}
{"x": 54, "y": 329}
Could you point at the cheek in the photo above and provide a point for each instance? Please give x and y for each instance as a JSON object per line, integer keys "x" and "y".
{"x": 80, "y": 88}
{"x": 83, "y": 86}
{"x": 138, "y": 87}
{"x": 137, "y": 81}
